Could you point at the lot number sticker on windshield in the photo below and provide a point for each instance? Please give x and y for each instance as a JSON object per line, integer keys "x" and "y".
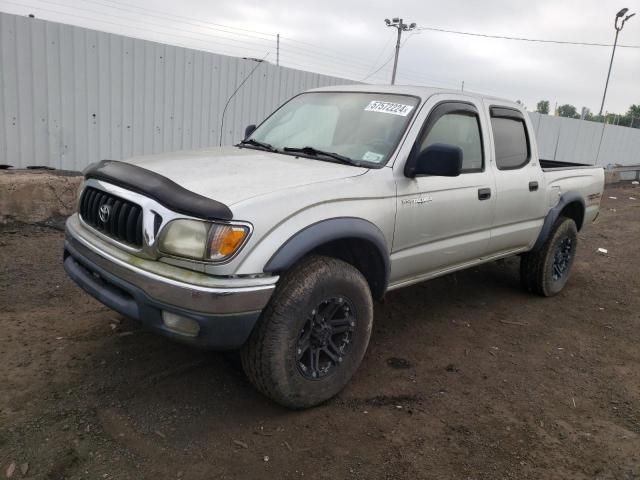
{"x": 389, "y": 107}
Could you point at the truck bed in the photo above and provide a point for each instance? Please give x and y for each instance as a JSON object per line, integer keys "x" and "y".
{"x": 588, "y": 180}
{"x": 547, "y": 165}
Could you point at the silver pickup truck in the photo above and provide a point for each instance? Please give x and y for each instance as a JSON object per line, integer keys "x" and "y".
{"x": 278, "y": 245}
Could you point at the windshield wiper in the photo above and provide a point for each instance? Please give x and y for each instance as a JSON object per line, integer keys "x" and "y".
{"x": 256, "y": 143}
{"x": 316, "y": 153}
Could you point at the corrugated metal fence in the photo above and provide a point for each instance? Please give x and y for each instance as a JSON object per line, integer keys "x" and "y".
{"x": 581, "y": 141}
{"x": 70, "y": 96}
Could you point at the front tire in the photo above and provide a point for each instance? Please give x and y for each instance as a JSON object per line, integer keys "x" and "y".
{"x": 545, "y": 271}
{"x": 312, "y": 335}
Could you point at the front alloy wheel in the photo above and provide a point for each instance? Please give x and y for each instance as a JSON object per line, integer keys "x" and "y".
{"x": 313, "y": 334}
{"x": 325, "y": 338}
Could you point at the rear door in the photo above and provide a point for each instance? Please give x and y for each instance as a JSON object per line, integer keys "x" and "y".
{"x": 520, "y": 191}
{"x": 443, "y": 222}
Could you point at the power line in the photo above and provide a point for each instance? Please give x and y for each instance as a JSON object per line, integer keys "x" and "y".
{"x": 326, "y": 67}
{"x": 226, "y": 30}
{"x": 229, "y": 29}
{"x": 386, "y": 62}
{"x": 388, "y": 59}
{"x": 173, "y": 17}
{"x": 161, "y": 25}
{"x": 329, "y": 65}
{"x": 209, "y": 38}
{"x": 254, "y": 44}
{"x": 524, "y": 39}
{"x": 348, "y": 69}
{"x": 343, "y": 60}
{"x": 217, "y": 27}
{"x": 138, "y": 27}
{"x": 382, "y": 50}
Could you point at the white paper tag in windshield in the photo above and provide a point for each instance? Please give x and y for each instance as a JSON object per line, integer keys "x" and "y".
{"x": 389, "y": 107}
{"x": 372, "y": 157}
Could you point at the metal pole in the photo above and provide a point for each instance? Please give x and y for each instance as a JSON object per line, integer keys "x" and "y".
{"x": 609, "y": 74}
{"x": 278, "y": 50}
{"x": 395, "y": 61}
{"x": 463, "y": 85}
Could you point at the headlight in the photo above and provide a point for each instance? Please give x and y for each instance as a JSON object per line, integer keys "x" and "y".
{"x": 185, "y": 238}
{"x": 202, "y": 240}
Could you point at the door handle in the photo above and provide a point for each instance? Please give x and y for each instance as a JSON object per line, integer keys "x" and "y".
{"x": 533, "y": 186}
{"x": 484, "y": 193}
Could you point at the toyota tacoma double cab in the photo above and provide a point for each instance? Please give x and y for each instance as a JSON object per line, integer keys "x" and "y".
{"x": 277, "y": 246}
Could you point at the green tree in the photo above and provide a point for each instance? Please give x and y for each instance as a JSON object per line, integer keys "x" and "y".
{"x": 568, "y": 111}
{"x": 543, "y": 107}
{"x": 633, "y": 116}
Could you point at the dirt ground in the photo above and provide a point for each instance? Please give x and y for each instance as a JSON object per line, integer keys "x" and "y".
{"x": 466, "y": 377}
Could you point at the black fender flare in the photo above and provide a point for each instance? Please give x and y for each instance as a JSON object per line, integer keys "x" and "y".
{"x": 324, "y": 231}
{"x": 554, "y": 213}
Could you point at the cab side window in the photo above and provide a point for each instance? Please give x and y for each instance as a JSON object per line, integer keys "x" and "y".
{"x": 510, "y": 138}
{"x": 461, "y": 129}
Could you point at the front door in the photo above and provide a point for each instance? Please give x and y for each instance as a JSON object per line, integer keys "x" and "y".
{"x": 443, "y": 222}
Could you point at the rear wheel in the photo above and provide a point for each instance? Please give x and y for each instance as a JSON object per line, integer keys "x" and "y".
{"x": 313, "y": 334}
{"x": 545, "y": 271}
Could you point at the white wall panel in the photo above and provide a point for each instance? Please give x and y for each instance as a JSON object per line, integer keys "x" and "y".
{"x": 71, "y": 96}
{"x": 581, "y": 141}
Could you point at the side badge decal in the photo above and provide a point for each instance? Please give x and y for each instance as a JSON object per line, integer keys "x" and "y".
{"x": 416, "y": 201}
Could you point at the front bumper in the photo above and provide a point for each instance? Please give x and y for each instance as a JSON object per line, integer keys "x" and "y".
{"x": 225, "y": 315}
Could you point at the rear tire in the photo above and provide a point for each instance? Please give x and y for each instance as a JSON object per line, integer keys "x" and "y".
{"x": 545, "y": 271}
{"x": 312, "y": 335}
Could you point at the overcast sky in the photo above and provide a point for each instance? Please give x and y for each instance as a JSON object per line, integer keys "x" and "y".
{"x": 349, "y": 39}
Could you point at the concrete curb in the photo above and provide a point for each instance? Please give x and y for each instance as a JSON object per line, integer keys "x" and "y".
{"x": 32, "y": 196}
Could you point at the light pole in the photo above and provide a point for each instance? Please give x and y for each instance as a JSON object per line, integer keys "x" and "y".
{"x": 401, "y": 27}
{"x": 619, "y": 16}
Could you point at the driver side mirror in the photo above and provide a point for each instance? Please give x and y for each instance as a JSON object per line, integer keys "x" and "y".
{"x": 249, "y": 130}
{"x": 439, "y": 159}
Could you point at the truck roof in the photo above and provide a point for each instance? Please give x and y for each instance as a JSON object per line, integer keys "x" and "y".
{"x": 418, "y": 91}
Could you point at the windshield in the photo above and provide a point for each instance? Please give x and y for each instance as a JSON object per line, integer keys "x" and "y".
{"x": 365, "y": 127}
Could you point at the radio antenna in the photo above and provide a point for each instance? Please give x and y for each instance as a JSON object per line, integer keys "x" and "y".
{"x": 224, "y": 111}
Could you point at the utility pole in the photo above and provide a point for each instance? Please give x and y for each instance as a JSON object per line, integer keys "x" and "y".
{"x": 463, "y": 85}
{"x": 398, "y": 24}
{"x": 278, "y": 50}
{"x": 620, "y": 15}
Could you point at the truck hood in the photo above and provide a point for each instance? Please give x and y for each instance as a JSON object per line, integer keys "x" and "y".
{"x": 231, "y": 174}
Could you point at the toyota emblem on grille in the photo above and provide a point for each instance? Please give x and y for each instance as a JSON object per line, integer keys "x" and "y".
{"x": 104, "y": 212}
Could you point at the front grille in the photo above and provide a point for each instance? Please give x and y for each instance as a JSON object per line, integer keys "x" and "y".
{"x": 113, "y": 216}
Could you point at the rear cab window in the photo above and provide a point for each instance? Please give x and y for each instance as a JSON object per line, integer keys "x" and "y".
{"x": 510, "y": 138}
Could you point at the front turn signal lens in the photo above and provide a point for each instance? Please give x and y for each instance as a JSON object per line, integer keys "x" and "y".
{"x": 225, "y": 240}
